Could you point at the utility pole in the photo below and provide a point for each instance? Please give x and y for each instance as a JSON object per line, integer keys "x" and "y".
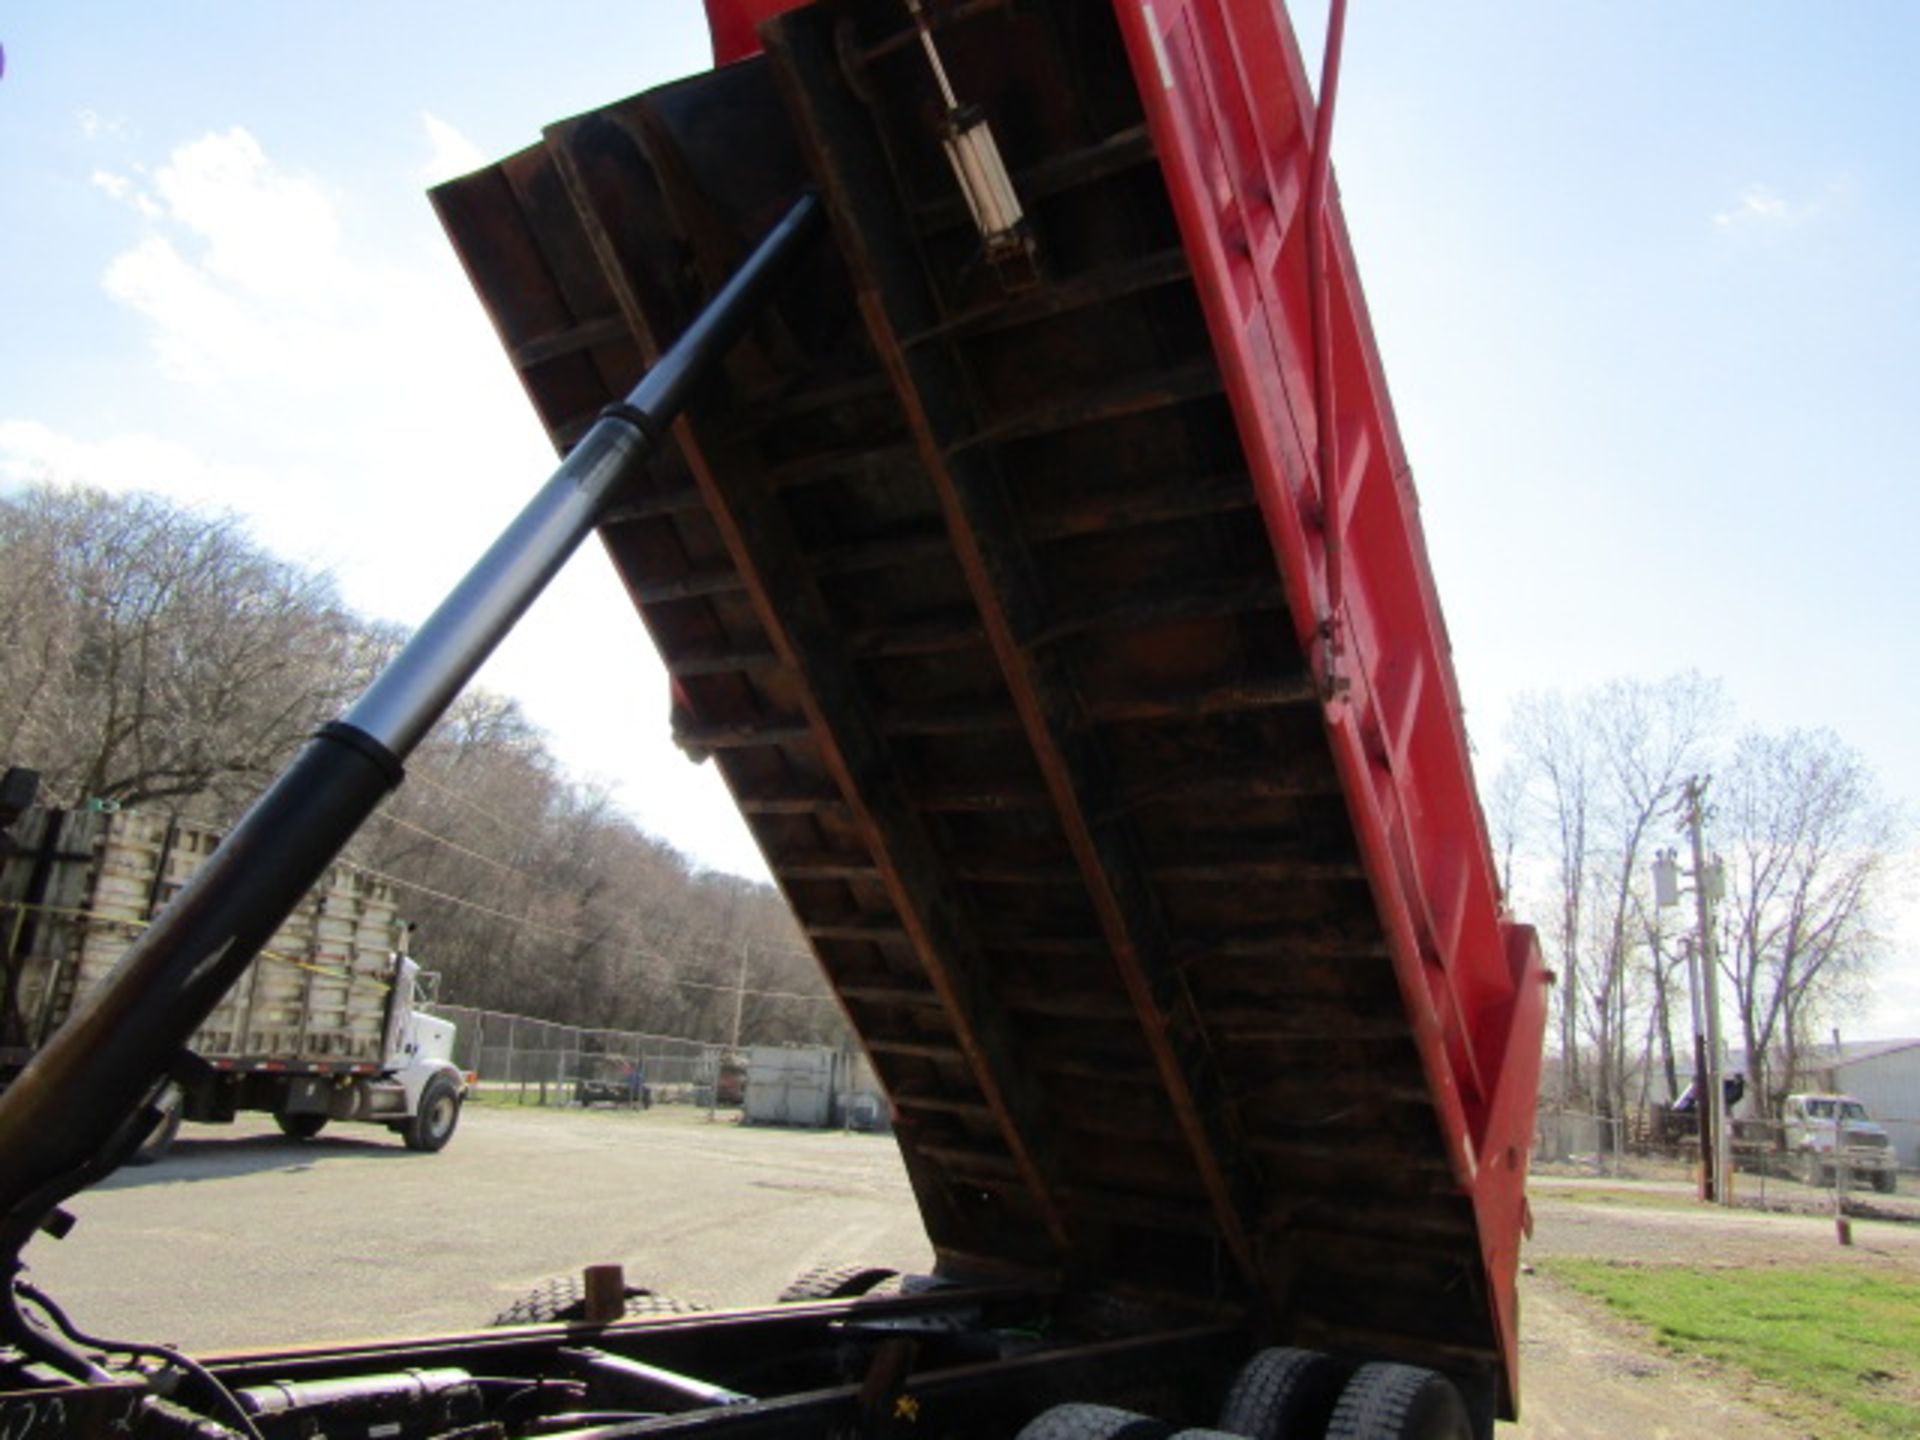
{"x": 1708, "y": 1171}
{"x": 740, "y": 996}
{"x": 1703, "y": 886}
{"x": 1703, "y": 992}
{"x": 1666, "y": 893}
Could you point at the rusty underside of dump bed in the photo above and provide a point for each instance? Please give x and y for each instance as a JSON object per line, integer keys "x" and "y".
{"x": 966, "y": 593}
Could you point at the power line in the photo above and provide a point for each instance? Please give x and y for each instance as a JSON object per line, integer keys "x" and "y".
{"x": 474, "y": 805}
{"x": 629, "y": 923}
{"x": 644, "y": 959}
{"x": 639, "y": 920}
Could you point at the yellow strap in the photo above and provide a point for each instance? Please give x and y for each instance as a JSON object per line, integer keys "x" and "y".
{"x": 333, "y": 972}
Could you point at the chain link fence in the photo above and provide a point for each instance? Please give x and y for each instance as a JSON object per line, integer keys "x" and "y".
{"x": 1804, "y": 1152}
{"x": 541, "y": 1062}
{"x": 1579, "y": 1138}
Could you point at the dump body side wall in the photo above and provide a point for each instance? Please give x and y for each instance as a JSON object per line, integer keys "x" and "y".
{"x": 1233, "y": 120}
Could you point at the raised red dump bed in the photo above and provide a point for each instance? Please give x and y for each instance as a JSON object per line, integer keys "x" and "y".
{"x": 1004, "y": 610}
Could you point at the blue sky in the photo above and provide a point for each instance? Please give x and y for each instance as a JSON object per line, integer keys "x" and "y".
{"x": 1646, "y": 280}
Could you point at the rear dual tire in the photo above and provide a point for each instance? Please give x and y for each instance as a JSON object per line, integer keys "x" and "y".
{"x": 1399, "y": 1402}
{"x": 1282, "y": 1393}
{"x": 1287, "y": 1394}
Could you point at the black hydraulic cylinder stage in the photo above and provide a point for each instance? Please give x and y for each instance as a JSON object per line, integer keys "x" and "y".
{"x": 85, "y": 1098}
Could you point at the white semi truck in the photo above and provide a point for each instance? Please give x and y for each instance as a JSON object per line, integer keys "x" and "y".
{"x": 1826, "y": 1132}
{"x": 327, "y": 1024}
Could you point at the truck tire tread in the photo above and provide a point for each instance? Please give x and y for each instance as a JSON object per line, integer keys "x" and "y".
{"x": 1093, "y": 1422}
{"x": 1282, "y": 1392}
{"x": 1399, "y": 1402}
{"x": 563, "y": 1300}
{"x": 835, "y": 1282}
{"x": 421, "y": 1132}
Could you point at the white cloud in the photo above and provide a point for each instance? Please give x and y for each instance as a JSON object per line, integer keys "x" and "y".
{"x": 242, "y": 268}
{"x": 31, "y": 453}
{"x": 239, "y": 266}
{"x": 355, "y": 409}
{"x": 198, "y": 327}
{"x": 453, "y": 153}
{"x": 1761, "y": 206}
{"x": 266, "y": 231}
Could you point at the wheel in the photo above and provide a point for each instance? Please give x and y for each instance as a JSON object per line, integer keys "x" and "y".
{"x": 1399, "y": 1402}
{"x": 301, "y": 1127}
{"x": 1093, "y": 1422}
{"x": 1281, "y": 1393}
{"x": 432, "y": 1124}
{"x": 563, "y": 1300}
{"x": 159, "y": 1139}
{"x": 834, "y": 1282}
{"x": 1884, "y": 1181}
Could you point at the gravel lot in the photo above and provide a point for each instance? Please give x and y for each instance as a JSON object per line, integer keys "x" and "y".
{"x": 242, "y": 1238}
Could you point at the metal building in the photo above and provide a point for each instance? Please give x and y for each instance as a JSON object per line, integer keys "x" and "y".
{"x": 813, "y": 1086}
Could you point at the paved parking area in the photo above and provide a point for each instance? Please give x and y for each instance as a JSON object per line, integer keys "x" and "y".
{"x": 241, "y": 1237}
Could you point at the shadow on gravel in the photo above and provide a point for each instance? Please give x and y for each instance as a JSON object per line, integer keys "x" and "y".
{"x": 221, "y": 1159}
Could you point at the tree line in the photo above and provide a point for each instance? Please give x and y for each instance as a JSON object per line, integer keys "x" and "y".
{"x": 156, "y": 657}
{"x": 1804, "y": 845}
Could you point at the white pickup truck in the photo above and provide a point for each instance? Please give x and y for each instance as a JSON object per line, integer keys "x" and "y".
{"x": 327, "y": 1023}
{"x": 1826, "y": 1132}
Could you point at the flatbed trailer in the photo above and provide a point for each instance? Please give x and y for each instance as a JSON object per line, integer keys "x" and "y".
{"x": 329, "y": 1023}
{"x": 1050, "y": 592}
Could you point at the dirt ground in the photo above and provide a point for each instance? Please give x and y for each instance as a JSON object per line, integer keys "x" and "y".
{"x": 1654, "y": 1225}
{"x": 242, "y": 1239}
{"x": 1586, "y": 1374}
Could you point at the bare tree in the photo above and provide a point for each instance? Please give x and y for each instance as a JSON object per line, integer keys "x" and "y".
{"x": 1555, "y": 764}
{"x": 1596, "y": 772}
{"x": 155, "y": 656}
{"x": 1649, "y": 736}
{"x": 154, "y": 653}
{"x": 1808, "y": 845}
{"x": 539, "y": 896}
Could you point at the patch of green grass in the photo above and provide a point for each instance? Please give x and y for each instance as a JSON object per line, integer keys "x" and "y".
{"x": 1844, "y": 1343}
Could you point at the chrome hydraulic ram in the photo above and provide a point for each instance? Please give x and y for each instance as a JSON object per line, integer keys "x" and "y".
{"x": 87, "y": 1097}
